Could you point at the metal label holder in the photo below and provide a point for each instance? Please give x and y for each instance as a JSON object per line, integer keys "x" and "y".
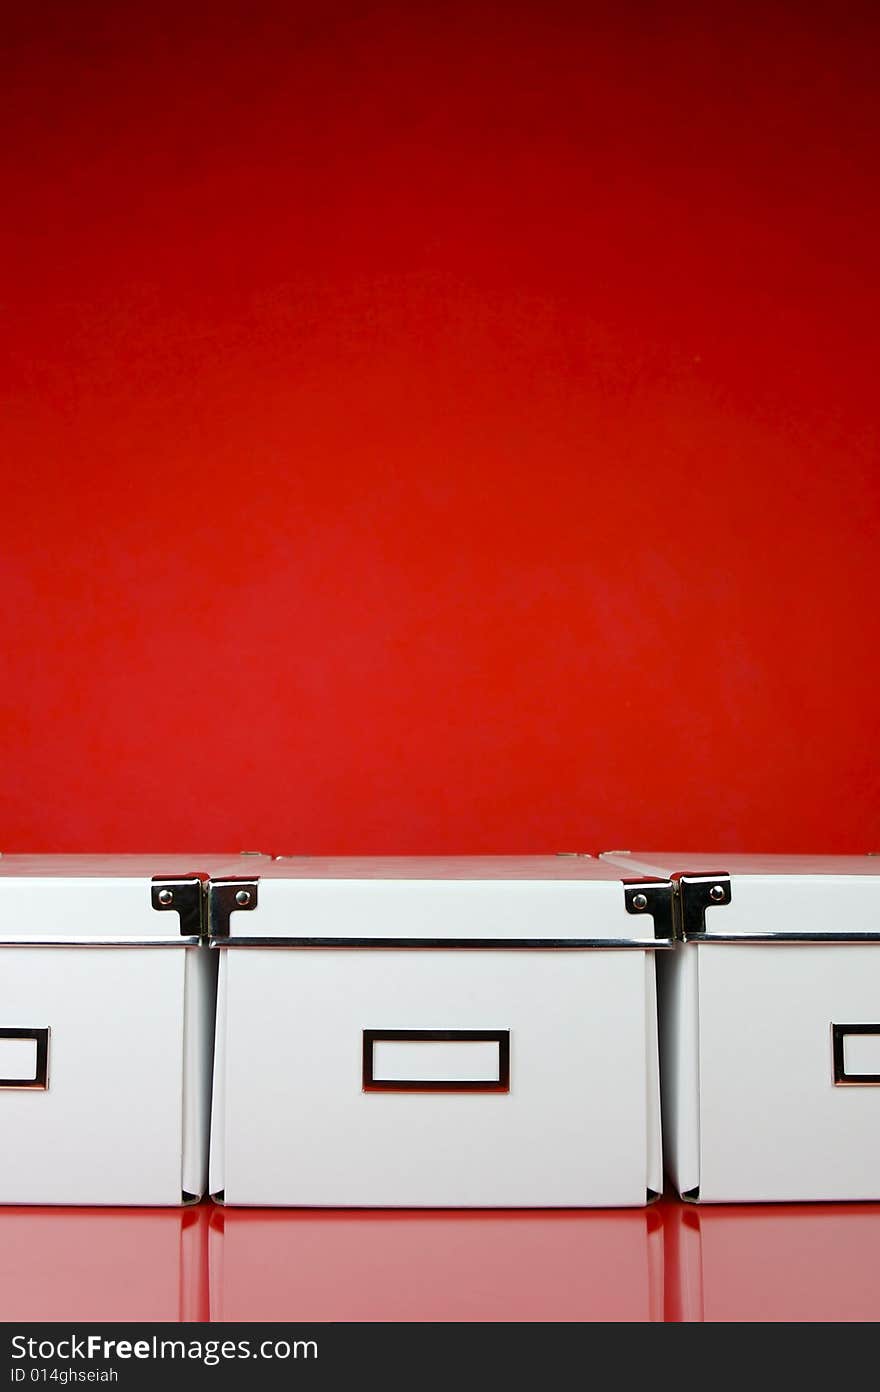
{"x": 838, "y": 1039}
{"x": 499, "y": 1084}
{"x": 40, "y": 1081}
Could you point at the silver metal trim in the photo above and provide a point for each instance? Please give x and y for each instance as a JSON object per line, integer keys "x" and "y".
{"x": 838, "y": 1062}
{"x": 500, "y": 1084}
{"x": 100, "y": 942}
{"x": 40, "y": 1082}
{"x": 457, "y": 944}
{"x": 821, "y": 939}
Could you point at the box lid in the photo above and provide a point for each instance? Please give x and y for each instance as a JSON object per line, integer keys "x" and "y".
{"x": 108, "y": 899}
{"x": 443, "y": 901}
{"x": 766, "y": 898}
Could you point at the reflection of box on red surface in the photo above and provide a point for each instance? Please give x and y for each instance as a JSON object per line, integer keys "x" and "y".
{"x": 103, "y": 1264}
{"x": 770, "y": 1026}
{"x": 438, "y": 1031}
{"x": 780, "y": 1263}
{"x": 106, "y": 1015}
{"x": 436, "y": 1266}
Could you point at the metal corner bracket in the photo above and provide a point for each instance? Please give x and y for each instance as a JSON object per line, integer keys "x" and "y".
{"x": 655, "y": 897}
{"x": 184, "y": 895}
{"x": 234, "y": 894}
{"x": 694, "y": 894}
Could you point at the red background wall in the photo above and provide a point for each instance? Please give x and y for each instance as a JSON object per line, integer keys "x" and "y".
{"x": 439, "y": 427}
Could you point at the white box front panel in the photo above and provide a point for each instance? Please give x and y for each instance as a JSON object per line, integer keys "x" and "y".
{"x": 108, "y": 1128}
{"x": 294, "y": 1125}
{"x": 773, "y": 1125}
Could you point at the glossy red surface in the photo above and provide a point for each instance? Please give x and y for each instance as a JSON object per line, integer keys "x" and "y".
{"x": 439, "y": 428}
{"x": 793, "y": 1262}
{"x": 437, "y": 1266}
{"x": 670, "y": 1262}
{"x": 103, "y": 1264}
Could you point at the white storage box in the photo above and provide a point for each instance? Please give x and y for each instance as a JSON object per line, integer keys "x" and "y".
{"x": 770, "y": 1026}
{"x": 106, "y": 1015}
{"x": 437, "y": 1032}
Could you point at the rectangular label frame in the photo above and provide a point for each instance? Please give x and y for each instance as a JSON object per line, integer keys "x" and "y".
{"x": 499, "y": 1037}
{"x": 41, "y": 1037}
{"x": 838, "y": 1040}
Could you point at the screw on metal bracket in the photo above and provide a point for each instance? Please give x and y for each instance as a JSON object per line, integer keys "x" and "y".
{"x": 695, "y": 894}
{"x": 654, "y": 897}
{"x": 184, "y": 895}
{"x": 225, "y": 897}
